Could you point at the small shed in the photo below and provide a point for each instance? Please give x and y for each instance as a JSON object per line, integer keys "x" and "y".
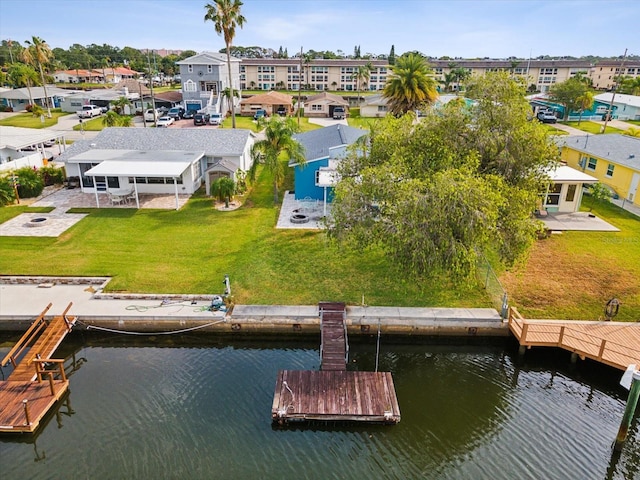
{"x": 564, "y": 194}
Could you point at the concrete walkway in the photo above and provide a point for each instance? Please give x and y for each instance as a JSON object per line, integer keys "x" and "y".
{"x": 568, "y": 129}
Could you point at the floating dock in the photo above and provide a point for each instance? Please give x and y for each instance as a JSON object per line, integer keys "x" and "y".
{"x": 333, "y": 393}
{"x": 33, "y": 388}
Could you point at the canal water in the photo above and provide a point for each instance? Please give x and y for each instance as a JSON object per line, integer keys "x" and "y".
{"x": 199, "y": 408}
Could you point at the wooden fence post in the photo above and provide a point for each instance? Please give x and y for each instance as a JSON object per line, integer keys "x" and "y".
{"x": 632, "y": 401}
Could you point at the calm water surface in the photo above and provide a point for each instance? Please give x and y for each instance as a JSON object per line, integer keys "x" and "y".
{"x": 200, "y": 409}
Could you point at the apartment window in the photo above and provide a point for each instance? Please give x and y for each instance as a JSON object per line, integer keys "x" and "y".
{"x": 610, "y": 168}
{"x": 242, "y": 69}
{"x": 591, "y": 164}
{"x": 209, "y": 87}
{"x": 571, "y": 193}
{"x": 190, "y": 68}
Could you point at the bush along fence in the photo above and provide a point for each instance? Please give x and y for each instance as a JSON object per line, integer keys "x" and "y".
{"x": 492, "y": 285}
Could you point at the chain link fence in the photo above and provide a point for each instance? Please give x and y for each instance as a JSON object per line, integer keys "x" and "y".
{"x": 488, "y": 278}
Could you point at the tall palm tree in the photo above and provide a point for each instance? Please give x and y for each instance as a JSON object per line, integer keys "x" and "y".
{"x": 584, "y": 102}
{"x": 278, "y": 140}
{"x": 23, "y": 75}
{"x": 38, "y": 53}
{"x": 225, "y": 15}
{"x": 362, "y": 75}
{"x": 410, "y": 85}
{"x": 105, "y": 63}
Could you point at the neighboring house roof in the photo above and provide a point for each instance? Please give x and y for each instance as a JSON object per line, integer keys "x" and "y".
{"x": 104, "y": 95}
{"x": 318, "y": 143}
{"x": 134, "y": 86}
{"x": 374, "y": 100}
{"x": 271, "y": 98}
{"x": 79, "y": 73}
{"x": 616, "y": 148}
{"x": 36, "y": 92}
{"x": 171, "y": 96}
{"x": 218, "y": 142}
{"x": 329, "y": 98}
{"x": 564, "y": 173}
{"x": 16, "y": 138}
{"x": 621, "y": 98}
{"x": 207, "y": 58}
{"x": 120, "y": 71}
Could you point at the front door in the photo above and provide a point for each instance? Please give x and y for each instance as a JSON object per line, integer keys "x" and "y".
{"x": 633, "y": 190}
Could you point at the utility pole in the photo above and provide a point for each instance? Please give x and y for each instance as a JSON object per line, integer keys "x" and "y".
{"x": 299, "y": 87}
{"x": 153, "y": 99}
{"x": 144, "y": 121}
{"x": 615, "y": 87}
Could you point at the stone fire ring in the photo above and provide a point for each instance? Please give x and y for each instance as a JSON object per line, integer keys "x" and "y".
{"x": 37, "y": 222}
{"x": 299, "y": 218}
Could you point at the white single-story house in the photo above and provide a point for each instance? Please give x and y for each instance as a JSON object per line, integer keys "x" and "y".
{"x": 322, "y": 105}
{"x": 18, "y": 98}
{"x": 625, "y": 107}
{"x": 100, "y": 97}
{"x": 158, "y": 160}
{"x": 564, "y": 194}
{"x": 374, "y": 106}
{"x": 24, "y": 147}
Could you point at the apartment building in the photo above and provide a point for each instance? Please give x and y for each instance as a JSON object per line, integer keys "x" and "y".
{"x": 605, "y": 73}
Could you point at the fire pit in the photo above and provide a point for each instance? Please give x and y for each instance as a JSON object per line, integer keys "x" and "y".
{"x": 299, "y": 218}
{"x": 37, "y": 222}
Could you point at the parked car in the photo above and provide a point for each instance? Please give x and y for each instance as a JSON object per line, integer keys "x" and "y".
{"x": 547, "y": 116}
{"x": 165, "y": 121}
{"x": 200, "y": 119}
{"x": 189, "y": 114}
{"x": 260, "y": 114}
{"x": 151, "y": 115}
{"x": 89, "y": 111}
{"x": 176, "y": 113}
{"x": 282, "y": 111}
{"x": 215, "y": 119}
{"x": 339, "y": 113}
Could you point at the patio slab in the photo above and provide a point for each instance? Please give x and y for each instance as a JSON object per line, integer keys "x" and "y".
{"x": 314, "y": 212}
{"x": 49, "y": 224}
{"x": 579, "y": 221}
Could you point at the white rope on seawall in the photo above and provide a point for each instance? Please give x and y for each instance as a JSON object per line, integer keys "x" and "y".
{"x": 110, "y": 330}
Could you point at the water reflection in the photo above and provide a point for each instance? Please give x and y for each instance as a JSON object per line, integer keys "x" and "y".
{"x": 199, "y": 407}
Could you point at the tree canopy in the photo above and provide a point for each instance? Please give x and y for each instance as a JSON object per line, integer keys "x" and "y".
{"x": 570, "y": 93}
{"x": 433, "y": 194}
{"x": 410, "y": 85}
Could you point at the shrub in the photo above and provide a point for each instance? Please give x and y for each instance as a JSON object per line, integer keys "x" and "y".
{"x": 5, "y": 108}
{"x": 29, "y": 107}
{"x": 7, "y": 192}
{"x": 223, "y": 188}
{"x": 52, "y": 175}
{"x": 30, "y": 183}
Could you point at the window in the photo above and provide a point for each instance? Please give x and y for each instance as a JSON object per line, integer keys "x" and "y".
{"x": 190, "y": 68}
{"x": 382, "y": 108}
{"x": 610, "y": 168}
{"x": 209, "y": 87}
{"x": 553, "y": 197}
{"x": 571, "y": 193}
{"x": 591, "y": 164}
{"x": 316, "y": 108}
{"x": 189, "y": 86}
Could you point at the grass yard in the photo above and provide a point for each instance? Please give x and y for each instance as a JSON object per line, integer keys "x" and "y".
{"x": 592, "y": 127}
{"x": 249, "y": 124}
{"x": 27, "y": 120}
{"x": 573, "y": 275}
{"x": 190, "y": 251}
{"x": 92, "y": 125}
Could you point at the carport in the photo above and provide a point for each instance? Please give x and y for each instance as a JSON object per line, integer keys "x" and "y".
{"x": 113, "y": 168}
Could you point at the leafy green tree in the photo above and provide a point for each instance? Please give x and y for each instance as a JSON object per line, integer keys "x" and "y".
{"x": 410, "y": 85}
{"x": 630, "y": 85}
{"x": 434, "y": 194}
{"x": 113, "y": 119}
{"x": 30, "y": 183}
{"x": 37, "y": 110}
{"x": 226, "y": 16}
{"x": 632, "y": 132}
{"x": 569, "y": 93}
{"x": 120, "y": 104}
{"x": 38, "y": 53}
{"x": 223, "y": 188}
{"x": 278, "y": 141}
{"x": 23, "y": 75}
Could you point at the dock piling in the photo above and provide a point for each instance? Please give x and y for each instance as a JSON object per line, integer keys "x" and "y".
{"x": 632, "y": 402}
{"x": 25, "y": 404}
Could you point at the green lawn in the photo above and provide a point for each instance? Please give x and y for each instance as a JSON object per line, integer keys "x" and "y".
{"x": 190, "y": 251}
{"x": 27, "y": 120}
{"x": 249, "y": 124}
{"x": 92, "y": 125}
{"x": 592, "y": 127}
{"x": 634, "y": 122}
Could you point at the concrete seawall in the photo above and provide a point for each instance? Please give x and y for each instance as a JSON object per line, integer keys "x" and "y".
{"x": 23, "y": 298}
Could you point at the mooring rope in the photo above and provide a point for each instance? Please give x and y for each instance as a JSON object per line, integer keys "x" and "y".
{"x": 172, "y": 332}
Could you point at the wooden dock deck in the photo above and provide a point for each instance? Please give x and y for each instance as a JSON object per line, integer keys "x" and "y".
{"x": 32, "y": 388}
{"x": 616, "y": 344}
{"x": 333, "y": 393}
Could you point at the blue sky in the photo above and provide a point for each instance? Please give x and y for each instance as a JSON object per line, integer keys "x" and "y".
{"x": 458, "y": 28}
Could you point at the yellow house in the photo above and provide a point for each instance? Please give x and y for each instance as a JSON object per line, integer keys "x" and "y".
{"x": 613, "y": 159}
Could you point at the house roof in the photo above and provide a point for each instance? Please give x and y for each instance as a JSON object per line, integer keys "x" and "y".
{"x": 564, "y": 173}
{"x": 215, "y": 143}
{"x": 80, "y": 73}
{"x": 119, "y": 71}
{"x": 36, "y": 92}
{"x": 328, "y": 98}
{"x": 621, "y": 98}
{"x": 207, "y": 58}
{"x": 134, "y": 86}
{"x": 318, "y": 143}
{"x": 374, "y": 100}
{"x": 172, "y": 96}
{"x": 16, "y": 138}
{"x": 271, "y": 98}
{"x": 615, "y": 148}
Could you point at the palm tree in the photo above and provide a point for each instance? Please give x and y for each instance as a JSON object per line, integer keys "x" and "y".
{"x": 227, "y": 93}
{"x": 449, "y": 78}
{"x": 21, "y": 75}
{"x": 410, "y": 85}
{"x": 39, "y": 53}
{"x": 630, "y": 85}
{"x": 111, "y": 119}
{"x": 105, "y": 63}
{"x": 223, "y": 188}
{"x": 362, "y": 76}
{"x": 225, "y": 15}
{"x": 120, "y": 103}
{"x": 584, "y": 102}
{"x": 278, "y": 140}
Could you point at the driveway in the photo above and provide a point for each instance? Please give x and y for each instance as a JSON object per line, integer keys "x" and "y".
{"x": 327, "y": 122}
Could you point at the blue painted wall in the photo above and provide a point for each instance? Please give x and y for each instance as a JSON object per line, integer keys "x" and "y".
{"x": 305, "y": 180}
